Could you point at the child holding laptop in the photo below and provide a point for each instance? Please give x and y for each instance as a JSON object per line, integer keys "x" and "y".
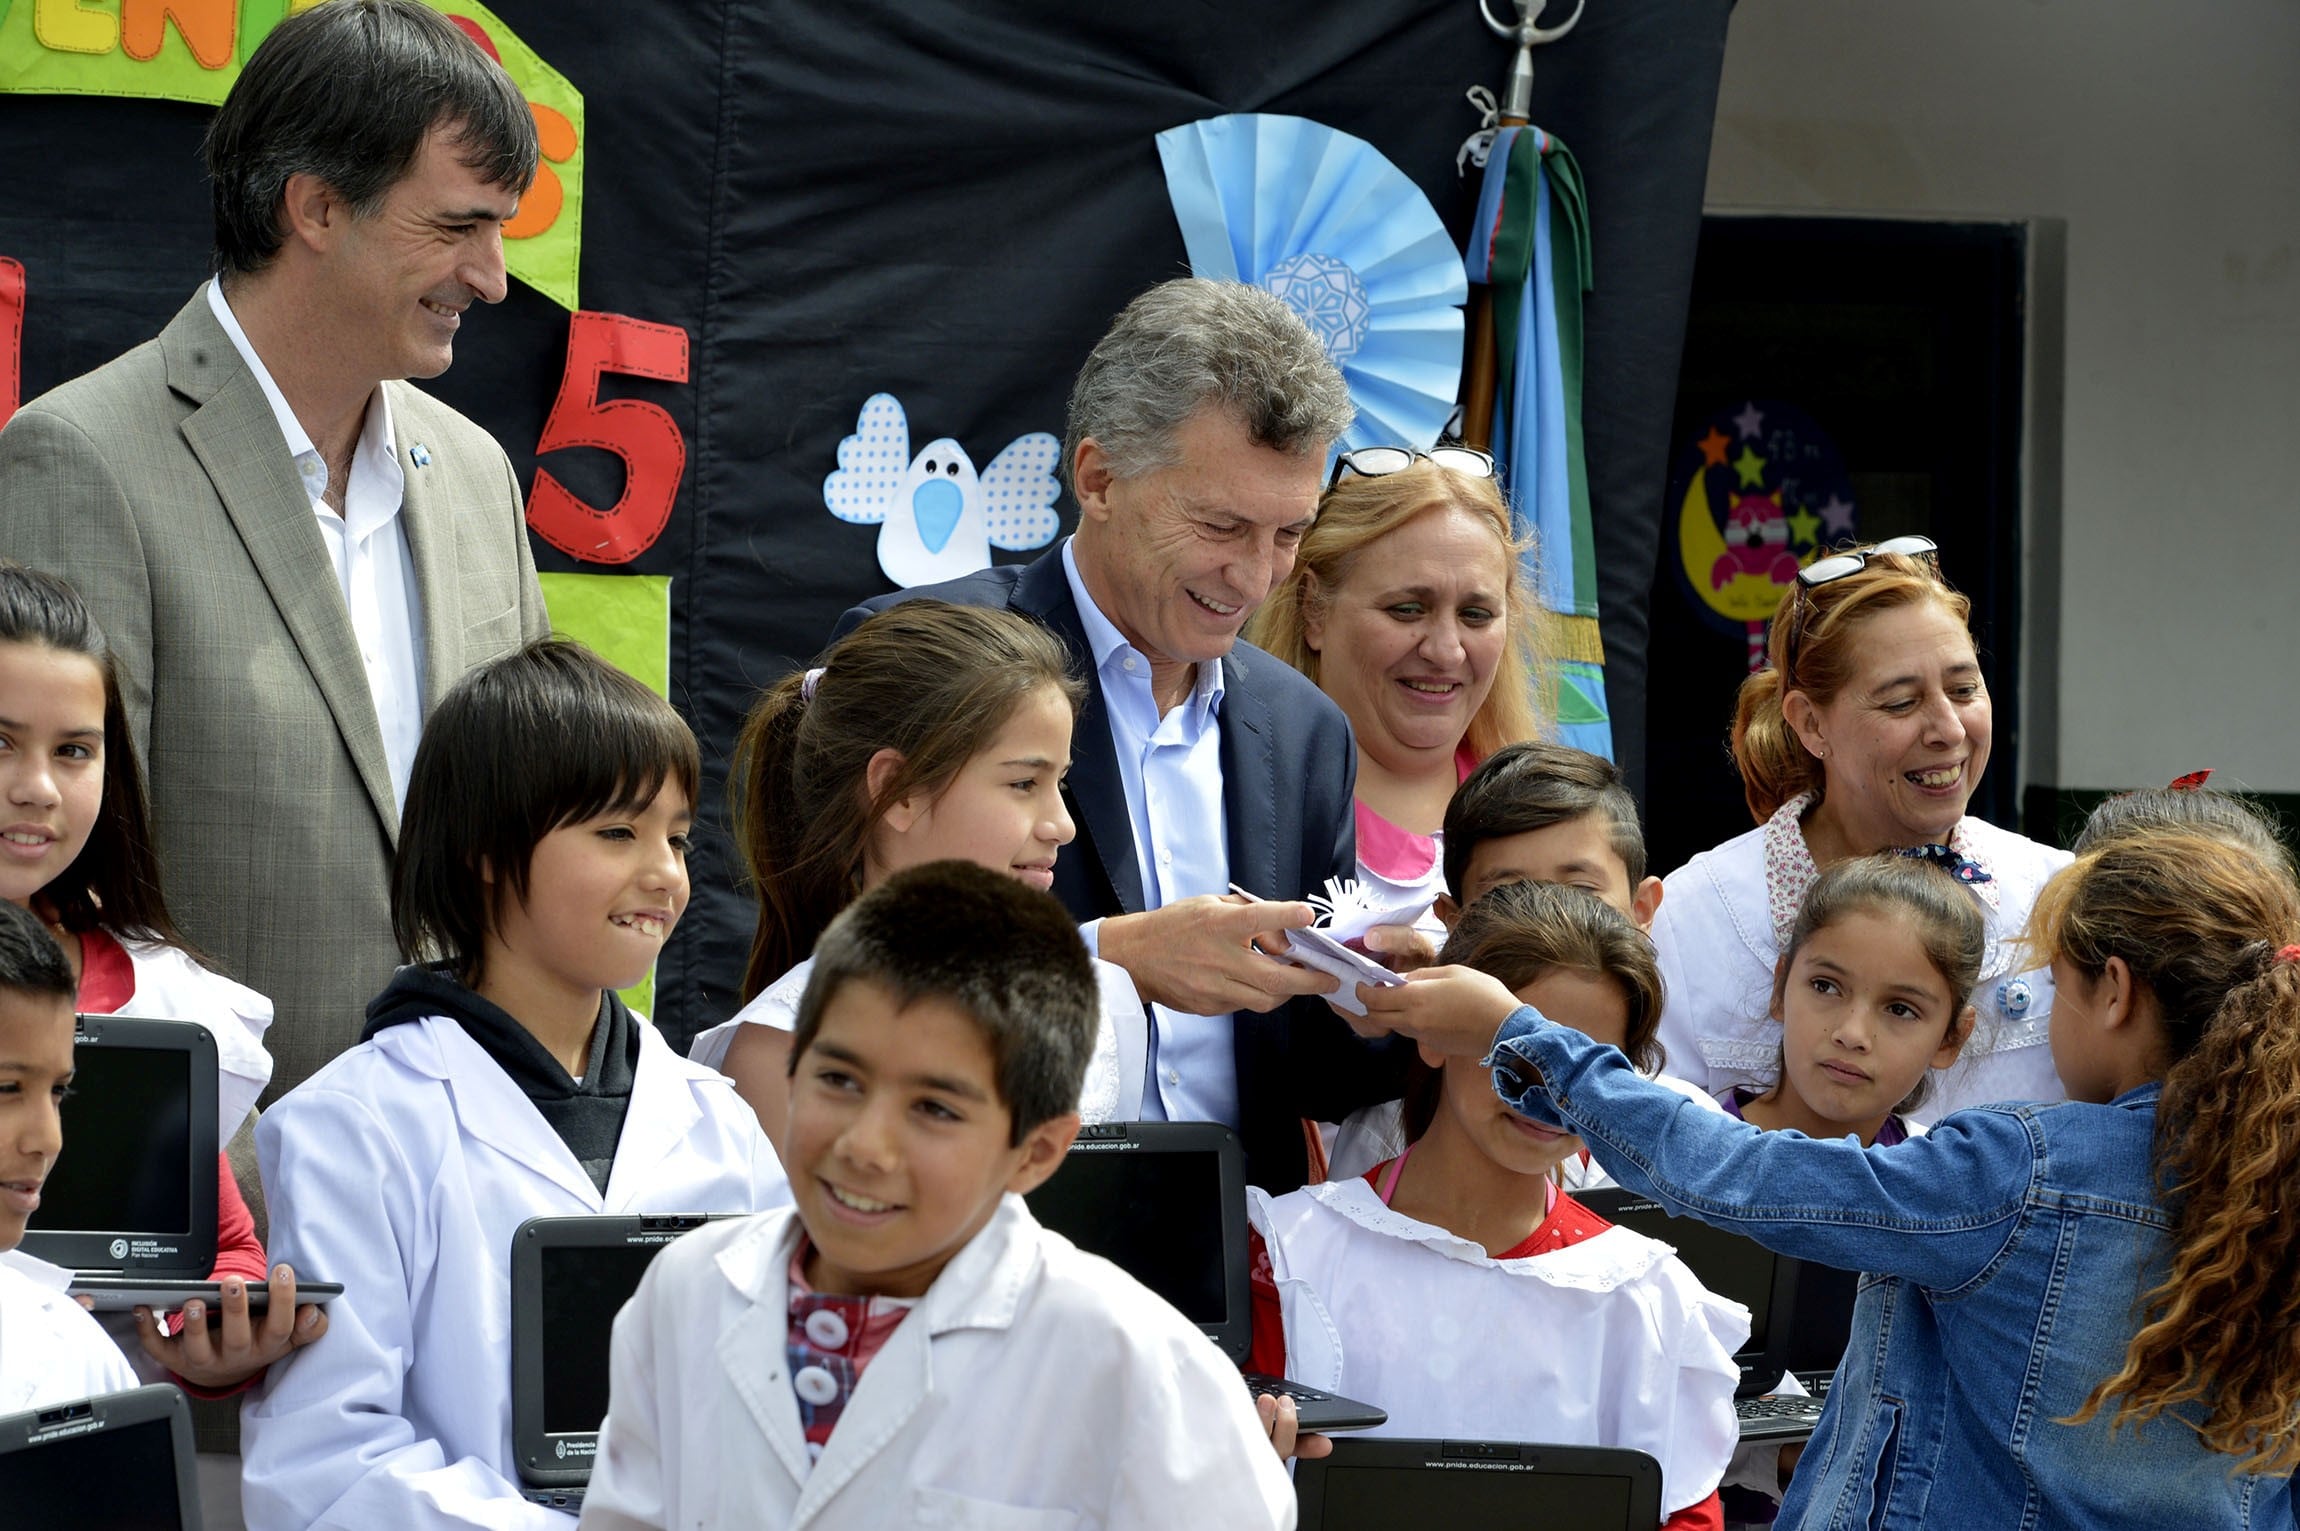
{"x": 1457, "y": 1286}
{"x": 542, "y": 857}
{"x": 50, "y": 1351}
{"x": 906, "y": 1346}
{"x": 79, "y": 855}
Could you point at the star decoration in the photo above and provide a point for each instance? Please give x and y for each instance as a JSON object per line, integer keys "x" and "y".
{"x": 1837, "y": 516}
{"x": 1751, "y": 420}
{"x": 1713, "y": 448}
{"x": 1804, "y": 526}
{"x": 1751, "y": 467}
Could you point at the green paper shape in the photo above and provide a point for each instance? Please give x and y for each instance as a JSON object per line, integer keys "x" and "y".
{"x": 1575, "y": 705}
{"x": 626, "y": 620}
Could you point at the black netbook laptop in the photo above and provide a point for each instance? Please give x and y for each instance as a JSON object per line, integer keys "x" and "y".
{"x": 122, "y": 1462}
{"x": 134, "y": 1192}
{"x": 1745, "y": 1271}
{"x": 1166, "y": 1203}
{"x": 1383, "y": 1485}
{"x": 570, "y": 1276}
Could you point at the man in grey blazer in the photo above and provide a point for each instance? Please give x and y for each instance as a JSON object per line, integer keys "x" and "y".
{"x": 293, "y": 551}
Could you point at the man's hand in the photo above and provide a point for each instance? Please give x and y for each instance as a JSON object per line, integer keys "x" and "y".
{"x": 1210, "y": 955}
{"x": 240, "y": 1349}
{"x": 1451, "y": 1010}
{"x": 1282, "y": 1423}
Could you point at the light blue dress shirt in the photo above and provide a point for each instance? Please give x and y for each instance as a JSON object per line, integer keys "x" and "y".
{"x": 1172, "y": 770}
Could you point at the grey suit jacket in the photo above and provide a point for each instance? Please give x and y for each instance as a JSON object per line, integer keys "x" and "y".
{"x": 160, "y": 486}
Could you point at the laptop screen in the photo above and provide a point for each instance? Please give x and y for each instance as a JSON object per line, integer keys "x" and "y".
{"x": 117, "y": 1479}
{"x": 570, "y": 1277}
{"x": 1383, "y": 1498}
{"x": 1374, "y": 1484}
{"x": 1156, "y": 1216}
{"x": 583, "y": 1288}
{"x": 126, "y": 1167}
{"x": 1728, "y": 1264}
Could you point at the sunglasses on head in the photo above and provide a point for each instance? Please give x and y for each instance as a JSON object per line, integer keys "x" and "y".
{"x": 1836, "y": 566}
{"x": 1380, "y": 462}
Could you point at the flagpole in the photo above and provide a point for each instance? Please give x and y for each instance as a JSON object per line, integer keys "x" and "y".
{"x": 1478, "y": 362}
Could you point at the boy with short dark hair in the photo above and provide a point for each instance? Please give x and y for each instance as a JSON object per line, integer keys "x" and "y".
{"x": 1532, "y": 812}
{"x": 50, "y": 1351}
{"x": 1541, "y": 812}
{"x": 906, "y": 1346}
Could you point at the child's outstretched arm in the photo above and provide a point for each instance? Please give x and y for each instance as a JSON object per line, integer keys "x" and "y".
{"x": 1936, "y": 1209}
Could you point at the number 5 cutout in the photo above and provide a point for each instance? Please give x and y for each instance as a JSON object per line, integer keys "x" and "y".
{"x": 643, "y": 435}
{"x": 11, "y": 337}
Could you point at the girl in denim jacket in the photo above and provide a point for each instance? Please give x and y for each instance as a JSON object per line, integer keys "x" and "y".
{"x": 2078, "y": 1315}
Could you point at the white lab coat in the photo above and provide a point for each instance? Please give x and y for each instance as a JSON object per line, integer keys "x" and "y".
{"x": 402, "y": 1169}
{"x": 1608, "y": 1342}
{"x": 170, "y": 986}
{"x": 1034, "y": 1388}
{"x": 1715, "y": 940}
{"x": 51, "y": 1350}
{"x": 1114, "y": 1074}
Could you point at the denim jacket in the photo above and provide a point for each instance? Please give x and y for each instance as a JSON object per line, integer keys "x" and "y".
{"x": 2007, "y": 1252}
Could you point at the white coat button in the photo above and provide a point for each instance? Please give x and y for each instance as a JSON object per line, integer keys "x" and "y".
{"x": 815, "y": 1385}
{"x": 826, "y": 1329}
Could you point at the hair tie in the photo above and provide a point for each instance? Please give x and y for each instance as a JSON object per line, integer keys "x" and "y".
{"x": 2288, "y": 953}
{"x": 807, "y": 684}
{"x": 1963, "y": 868}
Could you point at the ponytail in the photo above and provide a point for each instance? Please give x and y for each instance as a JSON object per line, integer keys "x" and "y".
{"x": 1775, "y": 765}
{"x": 2205, "y": 924}
{"x": 803, "y": 866}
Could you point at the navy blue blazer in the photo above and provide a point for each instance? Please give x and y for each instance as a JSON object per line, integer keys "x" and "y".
{"x": 1289, "y": 774}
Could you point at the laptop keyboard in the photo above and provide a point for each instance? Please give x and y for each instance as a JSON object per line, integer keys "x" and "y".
{"x": 1279, "y": 1387}
{"x": 1807, "y": 1410}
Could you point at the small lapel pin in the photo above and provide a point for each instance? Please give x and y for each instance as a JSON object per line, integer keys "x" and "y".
{"x": 421, "y": 455}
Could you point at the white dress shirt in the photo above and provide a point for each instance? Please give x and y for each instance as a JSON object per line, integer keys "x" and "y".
{"x": 1171, "y": 767}
{"x": 368, "y": 544}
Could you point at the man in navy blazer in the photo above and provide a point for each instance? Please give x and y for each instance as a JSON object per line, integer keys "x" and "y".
{"x": 1197, "y": 440}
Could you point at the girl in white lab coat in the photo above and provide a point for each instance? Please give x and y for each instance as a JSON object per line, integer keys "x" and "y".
{"x": 79, "y": 856}
{"x": 50, "y": 1351}
{"x": 931, "y": 732}
{"x": 1460, "y": 1288}
{"x": 543, "y": 856}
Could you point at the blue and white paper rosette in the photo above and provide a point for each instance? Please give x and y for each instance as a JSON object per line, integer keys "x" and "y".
{"x": 1327, "y": 223}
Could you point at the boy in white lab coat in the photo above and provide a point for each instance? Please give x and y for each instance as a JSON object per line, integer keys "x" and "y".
{"x": 906, "y": 1346}
{"x": 50, "y": 1351}
{"x": 543, "y": 854}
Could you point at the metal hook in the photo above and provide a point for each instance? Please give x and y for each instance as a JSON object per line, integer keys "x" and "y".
{"x": 1517, "y": 91}
{"x": 1525, "y": 33}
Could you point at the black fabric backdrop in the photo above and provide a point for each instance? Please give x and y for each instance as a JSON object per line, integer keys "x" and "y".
{"x": 942, "y": 200}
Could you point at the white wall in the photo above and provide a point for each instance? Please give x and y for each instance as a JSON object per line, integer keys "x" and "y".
{"x": 2168, "y": 138}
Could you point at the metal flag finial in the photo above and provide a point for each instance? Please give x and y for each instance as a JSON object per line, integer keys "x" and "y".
{"x": 1527, "y": 33}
